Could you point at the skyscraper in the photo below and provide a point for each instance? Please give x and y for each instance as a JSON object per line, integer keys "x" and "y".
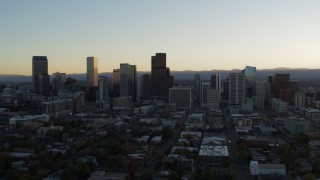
{"x": 103, "y": 92}
{"x": 236, "y": 88}
{"x": 40, "y": 77}
{"x": 160, "y": 75}
{"x": 197, "y": 84}
{"x": 116, "y": 82}
{"x": 181, "y": 97}
{"x": 300, "y": 99}
{"x": 215, "y": 83}
{"x": 250, "y": 75}
{"x": 92, "y": 71}
{"x": 128, "y": 81}
{"x": 213, "y": 94}
{"x": 58, "y": 81}
{"x": 205, "y": 86}
{"x": 145, "y": 85}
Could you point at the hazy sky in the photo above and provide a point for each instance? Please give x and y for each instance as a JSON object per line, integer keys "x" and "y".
{"x": 196, "y": 35}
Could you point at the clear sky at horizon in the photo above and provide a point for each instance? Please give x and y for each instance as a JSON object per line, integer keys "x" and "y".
{"x": 196, "y": 35}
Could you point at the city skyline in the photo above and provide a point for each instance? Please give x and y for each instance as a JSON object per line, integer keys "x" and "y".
{"x": 202, "y": 36}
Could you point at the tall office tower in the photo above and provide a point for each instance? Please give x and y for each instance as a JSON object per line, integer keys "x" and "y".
{"x": 128, "y": 81}
{"x": 197, "y": 84}
{"x": 205, "y": 86}
{"x": 236, "y": 88}
{"x": 260, "y": 88}
{"x": 281, "y": 82}
{"x": 145, "y": 85}
{"x": 270, "y": 87}
{"x": 58, "y": 81}
{"x": 300, "y": 99}
{"x": 225, "y": 93}
{"x": 92, "y": 71}
{"x": 215, "y": 83}
{"x": 213, "y": 98}
{"x": 181, "y": 97}
{"x": 288, "y": 94}
{"x": 40, "y": 77}
{"x": 250, "y": 75}
{"x": 160, "y": 76}
{"x": 103, "y": 97}
{"x": 116, "y": 82}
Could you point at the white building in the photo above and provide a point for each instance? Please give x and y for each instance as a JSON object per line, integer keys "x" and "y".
{"x": 300, "y": 99}
{"x": 144, "y": 110}
{"x": 156, "y": 139}
{"x": 213, "y": 98}
{"x": 312, "y": 114}
{"x": 257, "y": 169}
{"x": 22, "y": 120}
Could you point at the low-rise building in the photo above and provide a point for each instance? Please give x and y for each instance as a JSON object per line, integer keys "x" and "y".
{"x": 311, "y": 114}
{"x": 57, "y": 108}
{"x": 257, "y": 169}
{"x": 23, "y": 120}
{"x": 156, "y": 140}
{"x": 298, "y": 125}
{"x": 122, "y": 103}
{"x": 279, "y": 105}
{"x": 213, "y": 155}
{"x": 144, "y": 110}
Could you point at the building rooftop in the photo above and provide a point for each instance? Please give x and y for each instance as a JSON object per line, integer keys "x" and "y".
{"x": 221, "y": 151}
{"x": 272, "y": 166}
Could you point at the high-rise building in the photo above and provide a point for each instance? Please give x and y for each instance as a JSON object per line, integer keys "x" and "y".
{"x": 145, "y": 85}
{"x": 205, "y": 86}
{"x": 300, "y": 99}
{"x": 260, "y": 88}
{"x": 58, "y": 81}
{"x": 236, "y": 88}
{"x": 281, "y": 82}
{"x": 128, "y": 81}
{"x": 270, "y": 87}
{"x": 225, "y": 93}
{"x": 215, "y": 82}
{"x": 40, "y": 77}
{"x": 116, "y": 82}
{"x": 92, "y": 71}
{"x": 103, "y": 97}
{"x": 160, "y": 76}
{"x": 250, "y": 75}
{"x": 213, "y": 98}
{"x": 181, "y": 97}
{"x": 197, "y": 84}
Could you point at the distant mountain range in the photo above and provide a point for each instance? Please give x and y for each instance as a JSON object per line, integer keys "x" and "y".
{"x": 295, "y": 74}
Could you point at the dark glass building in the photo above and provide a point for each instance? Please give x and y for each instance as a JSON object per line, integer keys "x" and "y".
{"x": 40, "y": 77}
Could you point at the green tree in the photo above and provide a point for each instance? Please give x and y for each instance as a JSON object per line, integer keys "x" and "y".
{"x": 285, "y": 152}
{"x": 114, "y": 161}
{"x": 203, "y": 174}
{"x": 146, "y": 176}
{"x": 66, "y": 175}
{"x": 42, "y": 173}
{"x": 5, "y": 160}
{"x": 309, "y": 176}
{"x": 167, "y": 133}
